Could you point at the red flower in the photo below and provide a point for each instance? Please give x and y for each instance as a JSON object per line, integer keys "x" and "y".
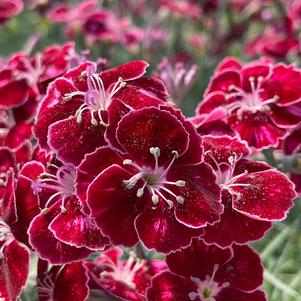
{"x": 61, "y": 233}
{"x": 159, "y": 189}
{"x": 80, "y": 107}
{"x": 9, "y": 9}
{"x": 254, "y": 194}
{"x": 128, "y": 279}
{"x": 63, "y": 283}
{"x": 261, "y": 100}
{"x": 207, "y": 273}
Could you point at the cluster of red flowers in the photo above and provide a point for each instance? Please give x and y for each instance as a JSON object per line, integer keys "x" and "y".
{"x": 116, "y": 164}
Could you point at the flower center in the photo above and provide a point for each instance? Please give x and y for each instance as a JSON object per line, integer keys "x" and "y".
{"x": 249, "y": 101}
{"x": 224, "y": 172}
{"x": 6, "y": 237}
{"x": 62, "y": 182}
{"x": 123, "y": 271}
{"x": 46, "y": 287}
{"x": 208, "y": 289}
{"x": 155, "y": 180}
{"x": 97, "y": 98}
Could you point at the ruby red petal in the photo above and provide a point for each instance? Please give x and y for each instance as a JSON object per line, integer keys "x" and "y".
{"x": 158, "y": 229}
{"x": 13, "y": 94}
{"x": 77, "y": 229}
{"x": 234, "y": 227}
{"x": 211, "y": 102}
{"x": 198, "y": 259}
{"x": 54, "y": 108}
{"x": 229, "y": 63}
{"x": 202, "y": 199}
{"x": 257, "y": 129}
{"x": 223, "y": 80}
{"x": 14, "y": 269}
{"x": 71, "y": 140}
{"x": 285, "y": 83}
{"x": 115, "y": 217}
{"x": 170, "y": 287}
{"x": 71, "y": 283}
{"x": 47, "y": 246}
{"x": 223, "y": 148}
{"x": 140, "y": 130}
{"x": 228, "y": 294}
{"x": 244, "y": 271}
{"x": 8, "y": 210}
{"x": 27, "y": 208}
{"x": 93, "y": 164}
{"x": 129, "y": 71}
{"x": 268, "y": 197}
{"x": 18, "y": 134}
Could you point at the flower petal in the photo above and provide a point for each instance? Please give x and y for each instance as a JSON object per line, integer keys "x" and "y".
{"x": 71, "y": 140}
{"x": 268, "y": 195}
{"x": 14, "y": 269}
{"x": 202, "y": 199}
{"x": 197, "y": 260}
{"x": 46, "y": 245}
{"x": 158, "y": 229}
{"x": 170, "y": 287}
{"x": 140, "y": 130}
{"x": 244, "y": 271}
{"x": 228, "y": 294}
{"x": 77, "y": 229}
{"x": 115, "y": 207}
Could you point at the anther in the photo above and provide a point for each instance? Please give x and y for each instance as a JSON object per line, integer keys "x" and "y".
{"x": 140, "y": 192}
{"x": 127, "y": 162}
{"x": 180, "y": 200}
{"x": 63, "y": 209}
{"x": 180, "y": 183}
{"x": 155, "y": 199}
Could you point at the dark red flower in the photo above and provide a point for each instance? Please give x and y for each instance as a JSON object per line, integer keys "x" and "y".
{"x": 127, "y": 279}
{"x": 61, "y": 233}
{"x": 261, "y": 100}
{"x": 80, "y": 106}
{"x": 156, "y": 181}
{"x": 201, "y": 273}
{"x": 254, "y": 194}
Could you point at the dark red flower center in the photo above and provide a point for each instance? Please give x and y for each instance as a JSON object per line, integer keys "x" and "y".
{"x": 224, "y": 172}
{"x": 155, "y": 180}
{"x": 96, "y": 99}
{"x": 250, "y": 101}
{"x": 208, "y": 289}
{"x": 122, "y": 271}
{"x": 63, "y": 182}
